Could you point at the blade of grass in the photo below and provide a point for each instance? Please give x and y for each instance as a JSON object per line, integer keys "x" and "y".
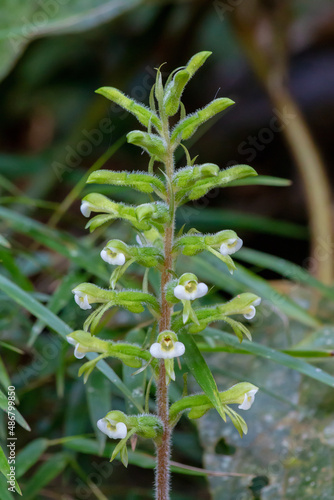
{"x": 244, "y": 280}
{"x": 75, "y": 192}
{"x": 274, "y": 355}
{"x": 262, "y": 180}
{"x": 284, "y": 267}
{"x": 213, "y": 220}
{"x": 45, "y": 474}
{"x": 61, "y": 243}
{"x": 60, "y": 327}
{"x": 201, "y": 372}
{"x": 140, "y": 459}
{"x": 5, "y": 469}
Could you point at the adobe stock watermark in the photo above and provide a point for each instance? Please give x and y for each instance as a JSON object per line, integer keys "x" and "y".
{"x": 223, "y": 7}
{"x": 74, "y": 155}
{"x": 95, "y": 479}
{"x": 11, "y": 439}
{"x": 93, "y": 138}
{"x": 31, "y": 27}
{"x": 253, "y": 144}
{"x": 50, "y": 351}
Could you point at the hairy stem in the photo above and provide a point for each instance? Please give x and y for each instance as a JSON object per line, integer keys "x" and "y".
{"x": 163, "y": 449}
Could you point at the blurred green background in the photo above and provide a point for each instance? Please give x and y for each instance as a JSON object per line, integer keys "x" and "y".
{"x": 275, "y": 59}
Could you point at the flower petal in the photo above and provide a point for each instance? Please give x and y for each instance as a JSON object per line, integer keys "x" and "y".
{"x": 248, "y": 400}
{"x": 70, "y": 340}
{"x": 83, "y": 304}
{"x": 78, "y": 354}
{"x": 180, "y": 293}
{"x": 120, "y": 428}
{"x": 85, "y": 209}
{"x": 115, "y": 261}
{"x": 102, "y": 425}
{"x": 231, "y": 246}
{"x": 202, "y": 290}
{"x": 179, "y": 349}
{"x": 251, "y": 311}
{"x": 257, "y": 302}
{"x": 156, "y": 350}
{"x": 121, "y": 431}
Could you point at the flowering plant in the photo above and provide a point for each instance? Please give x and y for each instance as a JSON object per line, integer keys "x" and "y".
{"x": 174, "y": 315}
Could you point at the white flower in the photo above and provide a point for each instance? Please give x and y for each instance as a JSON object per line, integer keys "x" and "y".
{"x": 250, "y": 312}
{"x": 112, "y": 256}
{"x": 167, "y": 346}
{"x": 231, "y": 246}
{"x": 85, "y": 208}
{"x": 114, "y": 430}
{"x": 191, "y": 290}
{"x": 82, "y": 300}
{"x": 79, "y": 352}
{"x": 248, "y": 399}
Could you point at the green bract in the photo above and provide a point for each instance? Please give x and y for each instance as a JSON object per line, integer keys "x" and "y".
{"x": 188, "y": 126}
{"x": 140, "y": 181}
{"x": 144, "y": 115}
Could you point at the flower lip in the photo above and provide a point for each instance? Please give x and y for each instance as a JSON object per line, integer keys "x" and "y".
{"x": 82, "y": 300}
{"x": 161, "y": 352}
{"x": 167, "y": 346}
{"x": 250, "y": 312}
{"x": 248, "y": 399}
{"x": 79, "y": 352}
{"x": 85, "y": 208}
{"x": 113, "y": 256}
{"x": 190, "y": 290}
{"x": 231, "y": 246}
{"x": 114, "y": 430}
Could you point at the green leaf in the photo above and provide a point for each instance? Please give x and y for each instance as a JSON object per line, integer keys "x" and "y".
{"x": 244, "y": 281}
{"x": 48, "y": 18}
{"x": 201, "y": 187}
{"x": 144, "y": 115}
{"x": 268, "y": 353}
{"x": 284, "y": 267}
{"x": 201, "y": 372}
{"x": 187, "y": 127}
{"x": 140, "y": 181}
{"x": 8, "y": 261}
{"x": 45, "y": 474}
{"x": 56, "y": 240}
{"x": 152, "y": 143}
{"x": 5, "y": 469}
{"x": 56, "y": 324}
{"x": 4, "y": 377}
{"x": 138, "y": 458}
{"x": 18, "y": 417}
{"x": 29, "y": 455}
{"x": 213, "y": 220}
{"x": 262, "y": 180}
{"x": 98, "y": 391}
{"x": 5, "y": 494}
{"x": 175, "y": 87}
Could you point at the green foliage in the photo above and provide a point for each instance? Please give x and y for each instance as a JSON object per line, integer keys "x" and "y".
{"x": 110, "y": 348}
